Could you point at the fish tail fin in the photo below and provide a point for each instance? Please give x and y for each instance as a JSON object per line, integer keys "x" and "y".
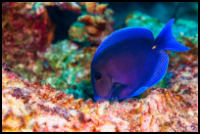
{"x": 166, "y": 40}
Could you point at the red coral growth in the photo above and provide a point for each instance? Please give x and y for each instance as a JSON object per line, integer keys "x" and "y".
{"x": 30, "y": 106}
{"x": 24, "y": 33}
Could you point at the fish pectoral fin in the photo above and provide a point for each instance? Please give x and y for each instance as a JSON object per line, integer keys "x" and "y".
{"x": 138, "y": 92}
{"x": 161, "y": 69}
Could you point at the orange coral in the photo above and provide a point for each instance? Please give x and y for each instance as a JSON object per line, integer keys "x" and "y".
{"x": 101, "y": 8}
{"x": 90, "y": 6}
{"x": 87, "y": 19}
{"x": 98, "y": 24}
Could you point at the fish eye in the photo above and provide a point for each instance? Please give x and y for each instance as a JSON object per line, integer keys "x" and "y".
{"x": 98, "y": 76}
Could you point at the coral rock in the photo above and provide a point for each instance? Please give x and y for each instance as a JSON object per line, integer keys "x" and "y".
{"x": 26, "y": 107}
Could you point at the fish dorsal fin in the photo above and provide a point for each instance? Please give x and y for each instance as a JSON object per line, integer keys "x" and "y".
{"x": 125, "y": 34}
{"x": 161, "y": 69}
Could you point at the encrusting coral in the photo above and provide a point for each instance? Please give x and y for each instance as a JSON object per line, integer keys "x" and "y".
{"x": 31, "y": 106}
{"x": 71, "y": 68}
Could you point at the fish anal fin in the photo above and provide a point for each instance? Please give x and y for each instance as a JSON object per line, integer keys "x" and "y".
{"x": 161, "y": 68}
{"x": 98, "y": 98}
{"x": 138, "y": 92}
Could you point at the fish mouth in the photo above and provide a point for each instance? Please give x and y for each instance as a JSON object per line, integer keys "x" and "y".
{"x": 117, "y": 85}
{"x": 114, "y": 87}
{"x": 110, "y": 94}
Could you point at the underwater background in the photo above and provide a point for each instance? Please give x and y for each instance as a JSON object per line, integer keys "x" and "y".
{"x": 53, "y": 43}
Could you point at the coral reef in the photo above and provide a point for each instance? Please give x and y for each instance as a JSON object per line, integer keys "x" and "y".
{"x": 94, "y": 25}
{"x": 66, "y": 65}
{"x": 31, "y": 106}
{"x": 27, "y": 33}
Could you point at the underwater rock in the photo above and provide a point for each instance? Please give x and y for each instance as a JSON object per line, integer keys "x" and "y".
{"x": 98, "y": 24}
{"x": 31, "y": 106}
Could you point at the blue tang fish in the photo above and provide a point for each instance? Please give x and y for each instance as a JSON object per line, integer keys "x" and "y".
{"x": 129, "y": 61}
